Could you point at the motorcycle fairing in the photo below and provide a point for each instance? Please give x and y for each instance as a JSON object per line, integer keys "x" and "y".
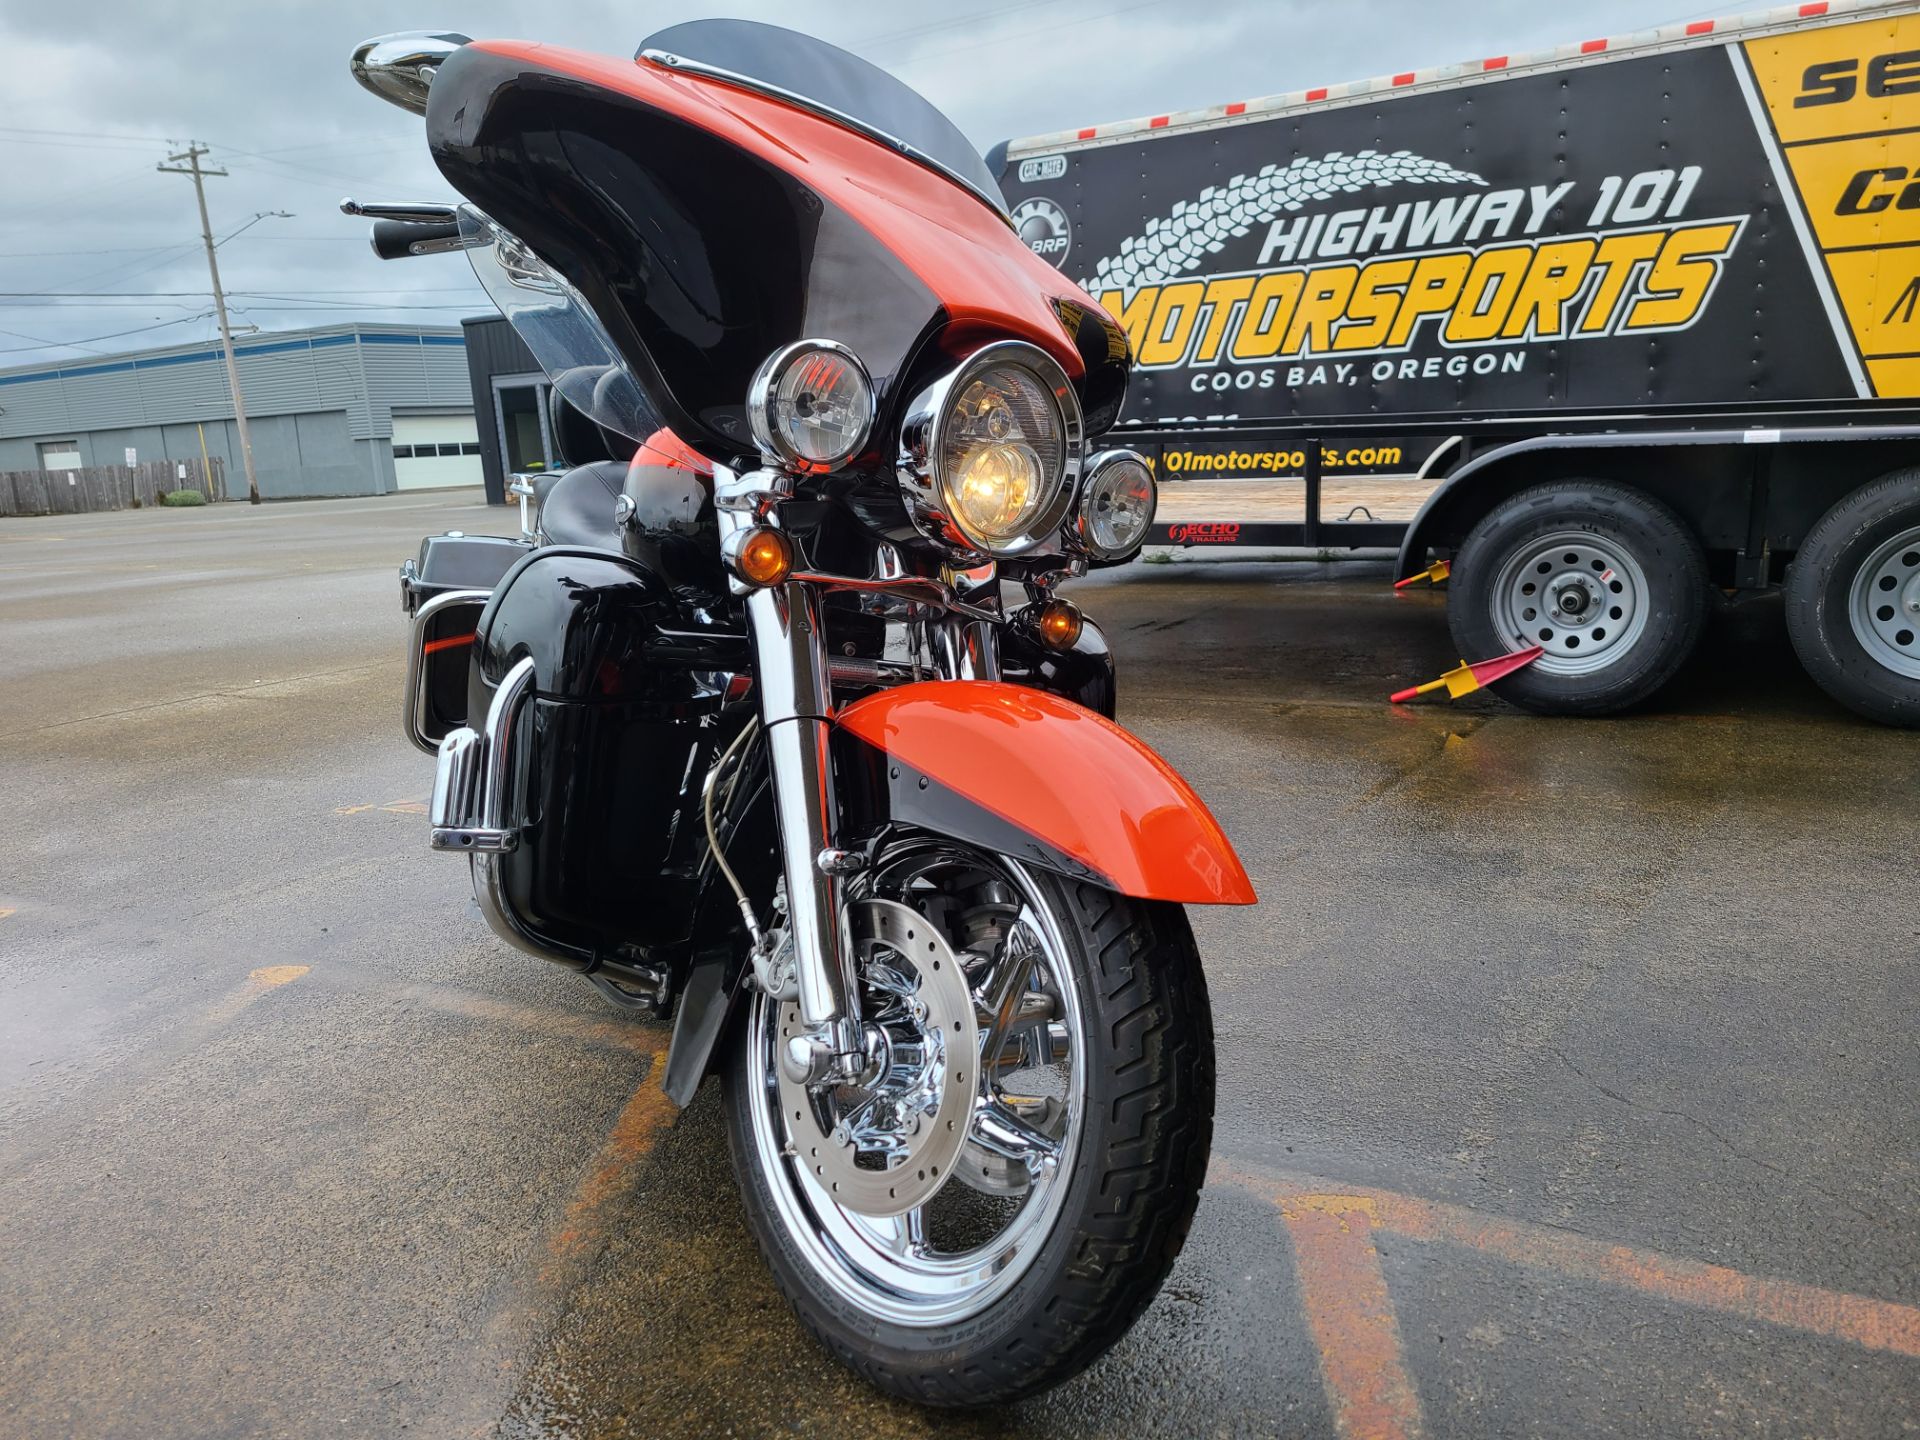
{"x": 1038, "y": 778}
{"x": 707, "y": 225}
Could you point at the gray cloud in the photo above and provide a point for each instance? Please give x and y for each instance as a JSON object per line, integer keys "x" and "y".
{"x": 96, "y": 91}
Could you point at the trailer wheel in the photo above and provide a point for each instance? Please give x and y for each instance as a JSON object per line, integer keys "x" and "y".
{"x": 1853, "y": 600}
{"x": 1607, "y": 580}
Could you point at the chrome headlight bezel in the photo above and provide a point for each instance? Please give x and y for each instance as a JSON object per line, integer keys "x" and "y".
{"x": 1080, "y": 530}
{"x": 923, "y": 436}
{"x": 762, "y": 397}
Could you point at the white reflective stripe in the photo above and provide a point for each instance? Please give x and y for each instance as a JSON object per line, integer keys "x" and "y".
{"x": 1762, "y": 437}
{"x": 1676, "y": 36}
{"x": 1790, "y": 196}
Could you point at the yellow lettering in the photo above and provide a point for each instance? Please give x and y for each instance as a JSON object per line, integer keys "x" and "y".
{"x": 1558, "y": 271}
{"x": 1617, "y": 256}
{"x": 1134, "y": 315}
{"x": 1680, "y": 277}
{"x": 1221, "y": 295}
{"x": 1489, "y": 293}
{"x": 1322, "y": 303}
{"x": 1174, "y": 314}
{"x": 1268, "y": 313}
{"x": 1433, "y": 290}
{"x": 1375, "y": 298}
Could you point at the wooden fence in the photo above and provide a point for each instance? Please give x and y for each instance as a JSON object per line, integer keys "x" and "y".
{"x": 106, "y": 487}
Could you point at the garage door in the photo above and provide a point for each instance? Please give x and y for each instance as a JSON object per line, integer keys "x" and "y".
{"x": 431, "y": 451}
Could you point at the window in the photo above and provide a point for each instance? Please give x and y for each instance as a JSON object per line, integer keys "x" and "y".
{"x": 450, "y": 448}
{"x": 403, "y": 452}
{"x": 470, "y": 448}
{"x": 59, "y": 454}
{"x": 523, "y": 437}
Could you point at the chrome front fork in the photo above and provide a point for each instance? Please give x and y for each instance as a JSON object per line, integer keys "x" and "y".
{"x": 796, "y": 708}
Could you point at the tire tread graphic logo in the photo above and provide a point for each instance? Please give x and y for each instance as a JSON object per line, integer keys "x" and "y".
{"x": 1201, "y": 228}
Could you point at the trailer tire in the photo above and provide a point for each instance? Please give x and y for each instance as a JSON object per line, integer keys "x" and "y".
{"x": 1853, "y": 600}
{"x": 1607, "y": 579}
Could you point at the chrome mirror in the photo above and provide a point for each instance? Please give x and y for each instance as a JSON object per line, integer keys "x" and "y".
{"x": 399, "y": 67}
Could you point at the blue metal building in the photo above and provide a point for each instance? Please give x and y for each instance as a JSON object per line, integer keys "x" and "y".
{"x": 336, "y": 410}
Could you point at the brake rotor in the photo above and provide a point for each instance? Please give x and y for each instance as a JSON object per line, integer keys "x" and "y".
{"x": 886, "y": 1146}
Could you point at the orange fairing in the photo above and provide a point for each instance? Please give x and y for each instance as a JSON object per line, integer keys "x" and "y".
{"x": 1071, "y": 779}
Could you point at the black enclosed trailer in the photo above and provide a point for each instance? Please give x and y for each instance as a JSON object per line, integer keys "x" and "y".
{"x": 1648, "y": 310}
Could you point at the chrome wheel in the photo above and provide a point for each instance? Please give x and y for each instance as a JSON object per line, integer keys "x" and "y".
{"x": 975, "y": 1072}
{"x": 1884, "y": 604}
{"x": 1581, "y": 598}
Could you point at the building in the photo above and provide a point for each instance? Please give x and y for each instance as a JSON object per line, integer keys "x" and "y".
{"x": 336, "y": 410}
{"x": 510, "y": 396}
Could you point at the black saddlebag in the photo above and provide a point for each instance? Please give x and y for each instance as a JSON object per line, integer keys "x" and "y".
{"x": 619, "y": 702}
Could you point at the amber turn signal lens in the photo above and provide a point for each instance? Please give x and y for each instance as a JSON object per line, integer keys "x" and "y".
{"x": 1059, "y": 625}
{"x": 763, "y": 557}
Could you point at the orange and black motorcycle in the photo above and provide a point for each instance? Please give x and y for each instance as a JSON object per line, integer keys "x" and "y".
{"x": 748, "y": 729}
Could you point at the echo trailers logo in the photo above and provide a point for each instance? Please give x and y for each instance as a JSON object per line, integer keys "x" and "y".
{"x": 1473, "y": 268}
{"x": 1045, "y": 228}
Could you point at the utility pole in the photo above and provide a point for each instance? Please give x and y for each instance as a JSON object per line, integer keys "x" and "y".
{"x": 192, "y": 155}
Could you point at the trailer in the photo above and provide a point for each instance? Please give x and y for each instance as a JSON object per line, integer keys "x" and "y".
{"x": 1642, "y": 312}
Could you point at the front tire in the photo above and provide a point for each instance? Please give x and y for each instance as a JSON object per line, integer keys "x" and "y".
{"x": 1017, "y": 1273}
{"x": 1853, "y": 600}
{"x": 1606, "y": 579}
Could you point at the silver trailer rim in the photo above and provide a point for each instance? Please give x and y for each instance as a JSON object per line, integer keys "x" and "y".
{"x": 1884, "y": 605}
{"x": 908, "y": 1269}
{"x": 1580, "y": 597}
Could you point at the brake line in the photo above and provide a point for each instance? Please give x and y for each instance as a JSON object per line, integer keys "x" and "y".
{"x": 747, "y": 732}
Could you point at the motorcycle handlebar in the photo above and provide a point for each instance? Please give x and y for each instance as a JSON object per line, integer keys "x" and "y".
{"x": 398, "y": 239}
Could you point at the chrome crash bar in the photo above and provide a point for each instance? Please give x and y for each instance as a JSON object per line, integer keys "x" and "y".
{"x": 468, "y": 812}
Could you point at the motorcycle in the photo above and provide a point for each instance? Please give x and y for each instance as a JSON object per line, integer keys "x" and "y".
{"x": 746, "y": 729}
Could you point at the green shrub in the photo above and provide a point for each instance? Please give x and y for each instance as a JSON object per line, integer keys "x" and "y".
{"x": 183, "y": 497}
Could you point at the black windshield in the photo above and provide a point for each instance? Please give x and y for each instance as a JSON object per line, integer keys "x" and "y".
{"x": 831, "y": 80}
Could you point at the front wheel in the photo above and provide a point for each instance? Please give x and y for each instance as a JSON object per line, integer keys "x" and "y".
{"x": 1000, "y": 1198}
{"x": 1607, "y": 580}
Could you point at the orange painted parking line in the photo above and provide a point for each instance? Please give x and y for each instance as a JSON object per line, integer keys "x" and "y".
{"x": 642, "y": 1120}
{"x": 259, "y": 982}
{"x": 6, "y": 910}
{"x": 1351, "y": 1316}
{"x": 559, "y": 1024}
{"x": 1861, "y": 1320}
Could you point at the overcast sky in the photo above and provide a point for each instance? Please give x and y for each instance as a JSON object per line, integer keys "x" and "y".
{"x": 100, "y": 253}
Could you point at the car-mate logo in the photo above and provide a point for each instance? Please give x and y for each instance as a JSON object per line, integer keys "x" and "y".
{"x": 1045, "y": 228}
{"x": 1042, "y": 167}
{"x": 1474, "y": 269}
{"x": 1204, "y": 532}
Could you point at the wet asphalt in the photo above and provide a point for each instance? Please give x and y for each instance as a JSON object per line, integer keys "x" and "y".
{"x": 1595, "y": 1040}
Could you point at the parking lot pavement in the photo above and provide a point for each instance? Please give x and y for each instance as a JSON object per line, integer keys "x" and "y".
{"x": 1567, "y": 1075}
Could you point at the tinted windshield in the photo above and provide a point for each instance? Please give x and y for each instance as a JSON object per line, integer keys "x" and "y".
{"x": 831, "y": 80}
{"x": 563, "y": 333}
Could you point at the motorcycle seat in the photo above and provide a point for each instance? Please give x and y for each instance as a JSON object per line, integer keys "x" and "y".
{"x": 578, "y": 507}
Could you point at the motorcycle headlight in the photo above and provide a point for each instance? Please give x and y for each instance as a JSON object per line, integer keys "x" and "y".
{"x": 990, "y": 454}
{"x": 811, "y": 405}
{"x": 1117, "y": 502}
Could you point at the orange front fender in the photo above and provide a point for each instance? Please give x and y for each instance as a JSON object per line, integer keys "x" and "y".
{"x": 1043, "y": 778}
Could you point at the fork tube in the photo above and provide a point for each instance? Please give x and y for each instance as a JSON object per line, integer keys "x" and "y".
{"x": 790, "y": 665}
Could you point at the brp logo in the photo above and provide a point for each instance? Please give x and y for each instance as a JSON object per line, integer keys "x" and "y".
{"x": 1044, "y": 227}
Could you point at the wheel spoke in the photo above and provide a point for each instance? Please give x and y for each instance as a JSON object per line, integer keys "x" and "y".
{"x": 902, "y": 1235}
{"x": 999, "y": 1129}
{"x": 1000, "y": 1003}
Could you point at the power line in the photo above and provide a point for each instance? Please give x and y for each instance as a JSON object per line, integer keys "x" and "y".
{"x": 114, "y": 335}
